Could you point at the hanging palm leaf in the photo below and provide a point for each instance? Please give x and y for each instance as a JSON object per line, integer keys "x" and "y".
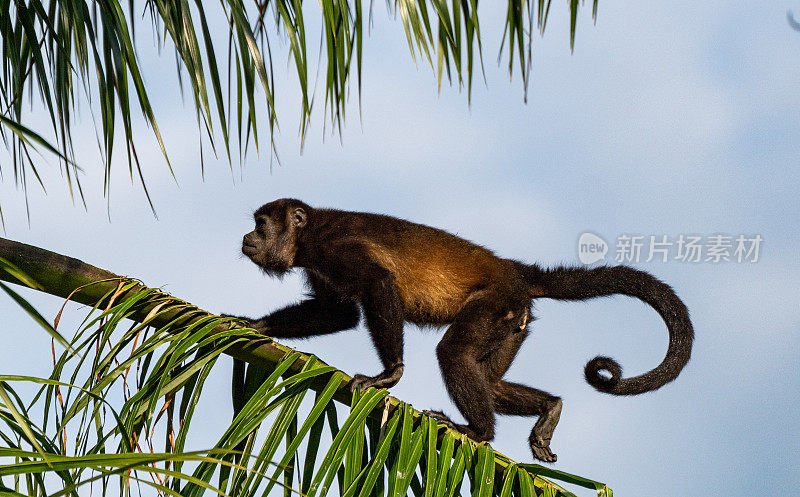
{"x": 65, "y": 51}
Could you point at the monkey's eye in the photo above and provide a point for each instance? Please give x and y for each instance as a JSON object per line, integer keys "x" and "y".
{"x": 260, "y": 223}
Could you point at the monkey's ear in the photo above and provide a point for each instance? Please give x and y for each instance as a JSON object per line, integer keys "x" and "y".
{"x": 298, "y": 217}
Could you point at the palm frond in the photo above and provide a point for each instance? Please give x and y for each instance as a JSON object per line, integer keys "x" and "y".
{"x": 153, "y": 353}
{"x": 59, "y": 53}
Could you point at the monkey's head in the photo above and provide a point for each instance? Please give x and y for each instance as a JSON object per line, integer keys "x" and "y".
{"x": 272, "y": 245}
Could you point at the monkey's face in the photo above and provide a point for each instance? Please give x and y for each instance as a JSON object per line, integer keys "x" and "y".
{"x": 272, "y": 245}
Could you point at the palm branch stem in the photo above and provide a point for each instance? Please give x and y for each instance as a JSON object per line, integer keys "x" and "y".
{"x": 80, "y": 282}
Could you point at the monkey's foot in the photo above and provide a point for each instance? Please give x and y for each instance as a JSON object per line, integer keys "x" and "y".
{"x": 542, "y": 452}
{"x": 388, "y": 378}
{"x": 442, "y": 418}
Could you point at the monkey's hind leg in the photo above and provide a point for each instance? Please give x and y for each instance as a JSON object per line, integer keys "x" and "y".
{"x": 515, "y": 399}
{"x": 520, "y": 400}
{"x": 459, "y": 353}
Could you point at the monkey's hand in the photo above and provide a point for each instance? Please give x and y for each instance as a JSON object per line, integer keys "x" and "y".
{"x": 541, "y": 450}
{"x": 256, "y": 324}
{"x": 388, "y": 378}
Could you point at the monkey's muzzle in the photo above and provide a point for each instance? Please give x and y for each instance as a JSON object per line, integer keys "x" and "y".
{"x": 249, "y": 249}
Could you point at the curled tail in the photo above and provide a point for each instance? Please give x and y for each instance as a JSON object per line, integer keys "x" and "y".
{"x": 578, "y": 283}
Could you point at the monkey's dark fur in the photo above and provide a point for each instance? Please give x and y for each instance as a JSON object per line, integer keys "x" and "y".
{"x": 393, "y": 271}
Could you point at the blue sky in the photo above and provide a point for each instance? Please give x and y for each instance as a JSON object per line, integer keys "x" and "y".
{"x": 669, "y": 118}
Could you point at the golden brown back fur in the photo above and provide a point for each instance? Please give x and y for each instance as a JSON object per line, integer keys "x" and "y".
{"x": 435, "y": 273}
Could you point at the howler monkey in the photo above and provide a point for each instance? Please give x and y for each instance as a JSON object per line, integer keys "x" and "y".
{"x": 393, "y": 271}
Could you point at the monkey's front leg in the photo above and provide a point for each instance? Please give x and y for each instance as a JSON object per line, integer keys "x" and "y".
{"x": 317, "y": 316}
{"x": 383, "y": 313}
